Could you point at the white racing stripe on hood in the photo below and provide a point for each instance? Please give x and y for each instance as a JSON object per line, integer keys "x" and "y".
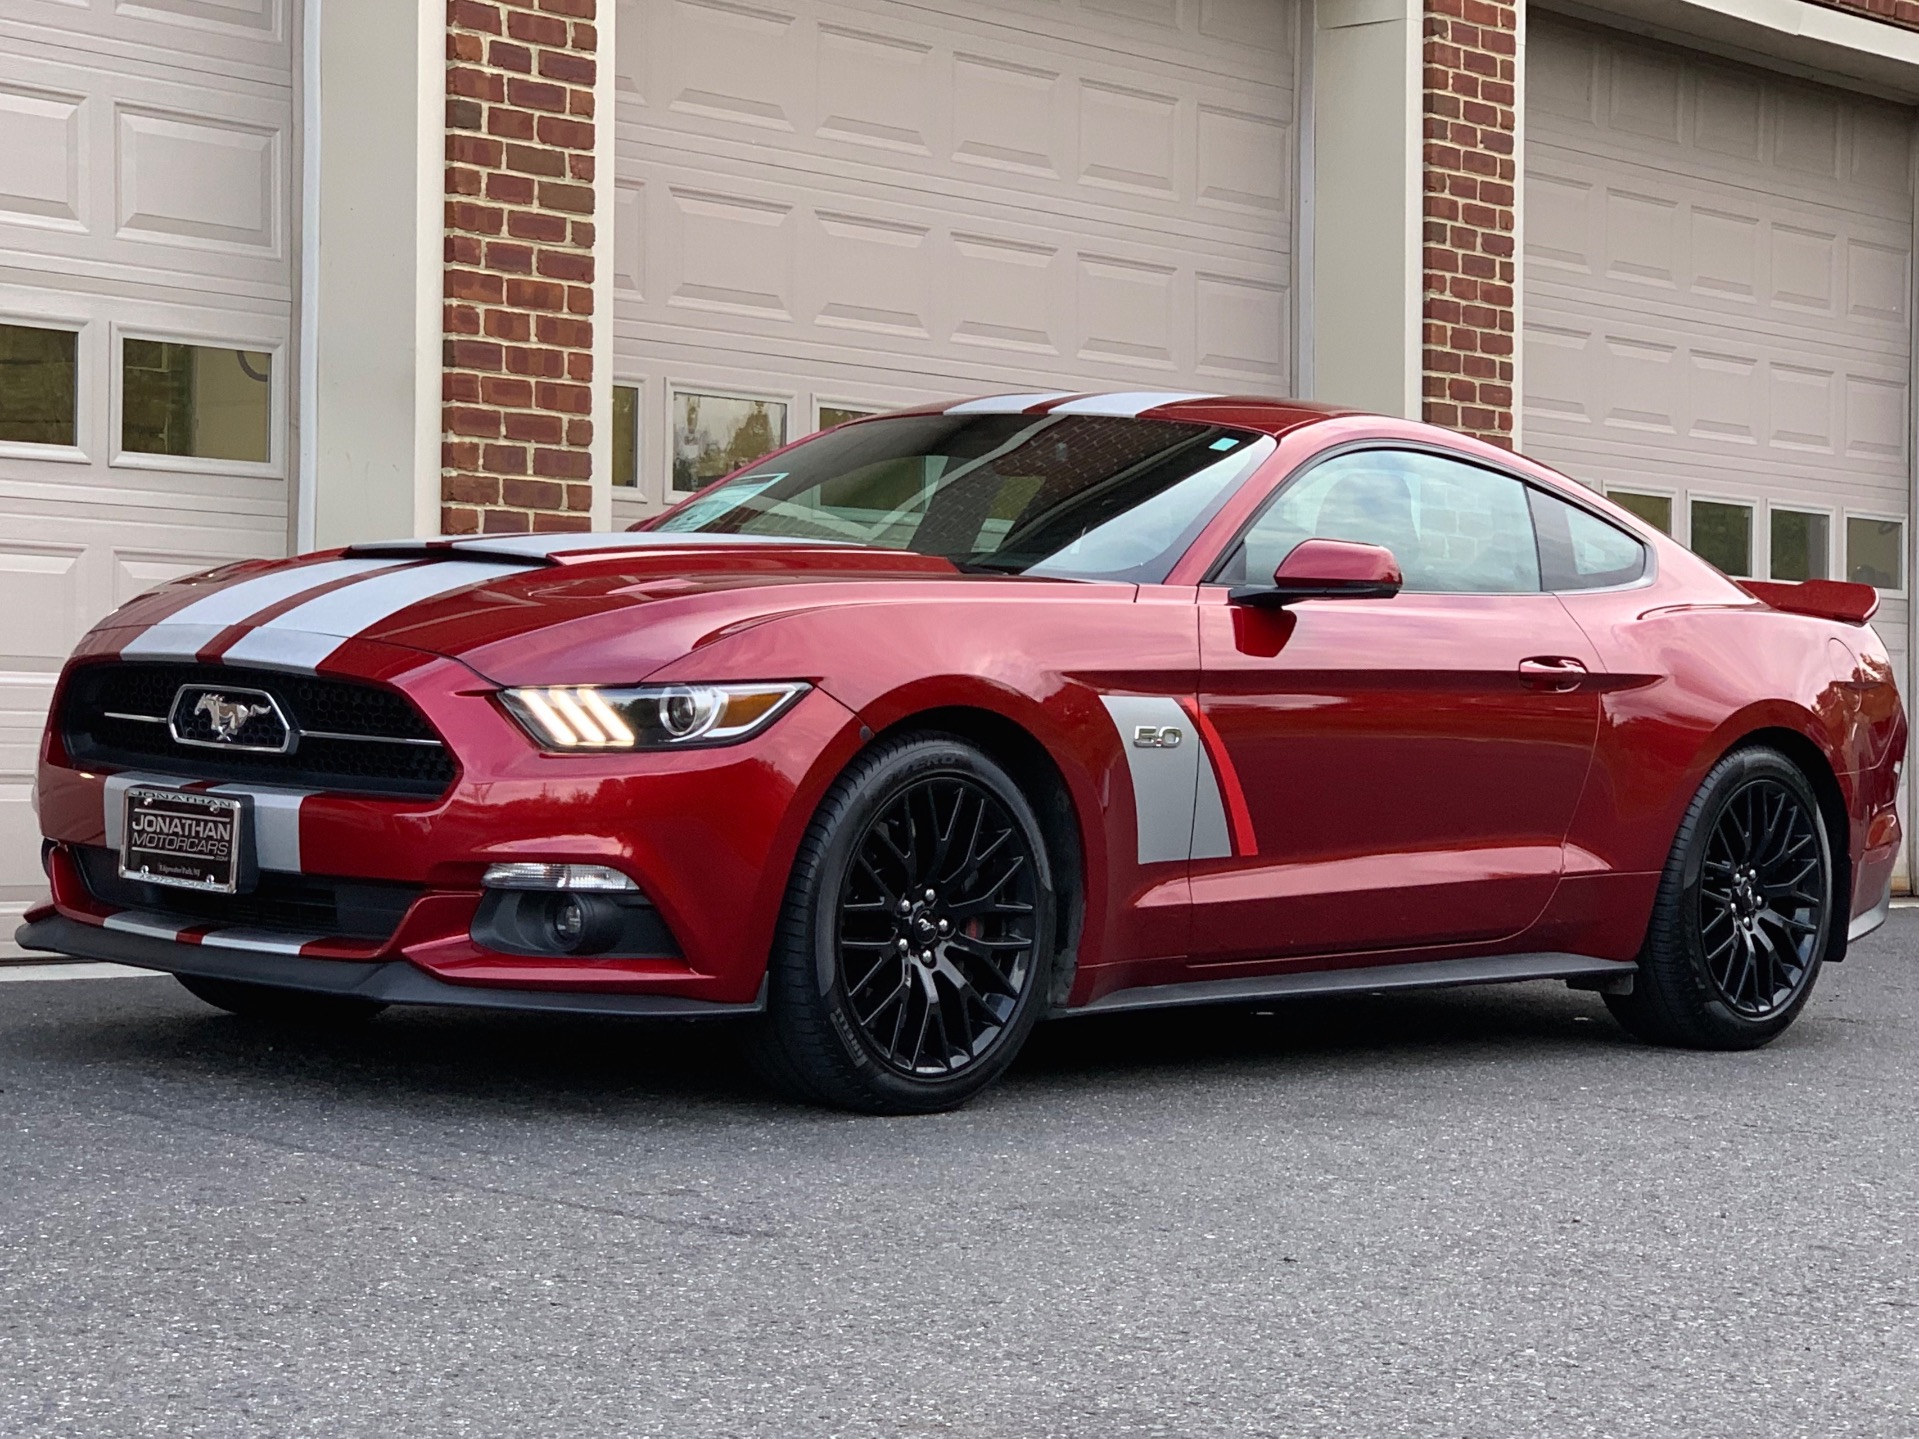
{"x": 1128, "y": 405}
{"x": 184, "y": 633}
{"x": 307, "y": 634}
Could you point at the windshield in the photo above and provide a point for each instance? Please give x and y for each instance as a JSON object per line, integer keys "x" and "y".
{"x": 1072, "y": 496}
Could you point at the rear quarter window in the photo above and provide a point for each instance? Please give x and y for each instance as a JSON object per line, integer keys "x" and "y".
{"x": 1580, "y": 551}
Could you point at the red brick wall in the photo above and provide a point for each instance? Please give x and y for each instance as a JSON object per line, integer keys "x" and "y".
{"x": 1896, "y": 12}
{"x": 1471, "y": 63}
{"x": 517, "y": 384}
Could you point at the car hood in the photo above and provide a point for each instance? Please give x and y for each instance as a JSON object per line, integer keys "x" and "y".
{"x": 521, "y": 609}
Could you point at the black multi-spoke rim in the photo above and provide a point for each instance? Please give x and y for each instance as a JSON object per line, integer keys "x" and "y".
{"x": 936, "y": 926}
{"x": 1762, "y": 898}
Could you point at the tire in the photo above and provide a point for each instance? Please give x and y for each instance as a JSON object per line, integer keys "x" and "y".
{"x": 1743, "y": 915}
{"x": 921, "y": 831}
{"x": 272, "y": 1005}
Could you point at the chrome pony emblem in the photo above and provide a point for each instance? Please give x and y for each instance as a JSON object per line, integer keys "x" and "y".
{"x": 226, "y": 717}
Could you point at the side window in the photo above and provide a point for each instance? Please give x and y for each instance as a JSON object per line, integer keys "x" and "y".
{"x": 1578, "y": 551}
{"x": 1453, "y": 527}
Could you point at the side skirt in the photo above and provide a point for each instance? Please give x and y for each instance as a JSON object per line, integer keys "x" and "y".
{"x": 1581, "y": 971}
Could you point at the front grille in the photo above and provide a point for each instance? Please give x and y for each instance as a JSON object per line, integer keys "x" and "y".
{"x": 346, "y": 735}
{"x": 290, "y": 903}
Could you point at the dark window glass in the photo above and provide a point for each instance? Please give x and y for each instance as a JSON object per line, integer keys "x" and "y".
{"x": 1801, "y": 545}
{"x": 1722, "y": 534}
{"x": 831, "y": 415}
{"x": 1875, "y": 552}
{"x": 1580, "y": 551}
{"x": 1453, "y": 527}
{"x": 39, "y": 385}
{"x": 196, "y": 400}
{"x": 1655, "y": 510}
{"x": 1078, "y": 496}
{"x": 626, "y": 437}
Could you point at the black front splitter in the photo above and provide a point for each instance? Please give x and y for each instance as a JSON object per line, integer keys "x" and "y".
{"x": 392, "y": 981}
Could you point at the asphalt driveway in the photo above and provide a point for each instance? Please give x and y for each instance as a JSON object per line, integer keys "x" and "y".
{"x": 1476, "y": 1213}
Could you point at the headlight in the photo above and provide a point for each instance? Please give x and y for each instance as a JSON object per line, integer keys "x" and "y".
{"x": 579, "y": 717}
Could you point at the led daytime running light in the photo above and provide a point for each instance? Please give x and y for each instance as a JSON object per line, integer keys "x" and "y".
{"x": 573, "y": 718}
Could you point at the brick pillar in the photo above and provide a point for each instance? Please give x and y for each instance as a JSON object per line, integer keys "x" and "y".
{"x": 1471, "y": 169}
{"x": 517, "y": 383}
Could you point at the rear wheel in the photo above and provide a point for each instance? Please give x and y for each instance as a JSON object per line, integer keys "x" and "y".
{"x": 915, "y": 946}
{"x": 273, "y": 1005}
{"x": 1743, "y": 914}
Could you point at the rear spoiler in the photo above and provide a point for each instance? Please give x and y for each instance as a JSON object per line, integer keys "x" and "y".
{"x": 1822, "y": 599}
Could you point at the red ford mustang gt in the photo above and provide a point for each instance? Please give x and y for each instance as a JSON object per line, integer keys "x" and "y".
{"x": 922, "y": 729}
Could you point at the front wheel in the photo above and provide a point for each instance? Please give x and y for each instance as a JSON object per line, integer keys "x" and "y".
{"x": 914, "y": 950}
{"x": 273, "y": 1005}
{"x": 1744, "y": 912}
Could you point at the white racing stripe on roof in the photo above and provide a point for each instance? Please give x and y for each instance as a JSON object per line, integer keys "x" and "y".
{"x": 306, "y": 634}
{"x": 1130, "y": 404}
{"x": 1008, "y": 404}
{"x": 185, "y": 632}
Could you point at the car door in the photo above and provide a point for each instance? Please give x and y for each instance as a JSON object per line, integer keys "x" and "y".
{"x": 1398, "y": 773}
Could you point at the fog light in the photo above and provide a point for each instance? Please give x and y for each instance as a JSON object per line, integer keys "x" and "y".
{"x": 593, "y": 878}
{"x": 569, "y": 921}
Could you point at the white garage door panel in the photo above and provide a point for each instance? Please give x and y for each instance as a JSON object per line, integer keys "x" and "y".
{"x": 145, "y": 151}
{"x": 130, "y": 174}
{"x": 1718, "y": 285}
{"x": 859, "y": 203}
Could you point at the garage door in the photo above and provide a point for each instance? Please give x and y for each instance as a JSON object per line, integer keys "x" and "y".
{"x": 836, "y": 206}
{"x": 145, "y": 236}
{"x": 1717, "y": 316}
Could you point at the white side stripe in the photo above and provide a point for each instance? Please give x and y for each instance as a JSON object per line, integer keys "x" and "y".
{"x": 1176, "y": 801}
{"x": 1007, "y": 404}
{"x": 1129, "y": 405}
{"x": 306, "y": 634}
{"x": 184, "y": 633}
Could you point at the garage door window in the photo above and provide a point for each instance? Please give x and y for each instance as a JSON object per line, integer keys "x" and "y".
{"x": 1655, "y": 510}
{"x": 1875, "y": 552}
{"x": 714, "y": 435}
{"x": 1801, "y": 545}
{"x": 204, "y": 402}
{"x": 831, "y": 415}
{"x": 1722, "y": 535}
{"x": 39, "y": 385}
{"x": 626, "y": 437}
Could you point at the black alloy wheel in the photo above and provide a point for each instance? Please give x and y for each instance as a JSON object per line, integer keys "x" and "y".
{"x": 1762, "y": 900}
{"x": 1744, "y": 914}
{"x": 915, "y": 948}
{"x": 936, "y": 926}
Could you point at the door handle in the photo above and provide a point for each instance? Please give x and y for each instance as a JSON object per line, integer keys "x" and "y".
{"x": 1551, "y": 672}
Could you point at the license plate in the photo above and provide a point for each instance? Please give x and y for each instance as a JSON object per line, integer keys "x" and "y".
{"x": 176, "y": 837}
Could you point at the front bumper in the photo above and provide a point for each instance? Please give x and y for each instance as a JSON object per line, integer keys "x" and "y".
{"x": 708, "y": 835}
{"x": 393, "y": 981}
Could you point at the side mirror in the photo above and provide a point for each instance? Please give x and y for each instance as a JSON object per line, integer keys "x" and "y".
{"x": 1327, "y": 570}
